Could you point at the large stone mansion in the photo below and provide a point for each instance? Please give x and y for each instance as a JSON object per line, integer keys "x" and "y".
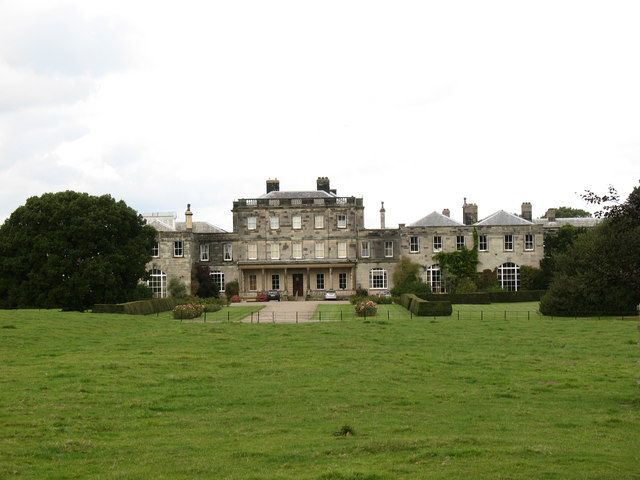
{"x": 305, "y": 242}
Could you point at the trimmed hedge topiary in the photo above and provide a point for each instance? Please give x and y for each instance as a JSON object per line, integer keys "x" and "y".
{"x": 424, "y": 308}
{"x": 485, "y": 298}
{"x": 141, "y": 307}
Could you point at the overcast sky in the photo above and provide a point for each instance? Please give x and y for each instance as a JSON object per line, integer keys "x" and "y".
{"x": 417, "y": 104}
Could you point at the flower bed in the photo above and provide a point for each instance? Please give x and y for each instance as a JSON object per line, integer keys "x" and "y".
{"x": 366, "y": 308}
{"x": 187, "y": 311}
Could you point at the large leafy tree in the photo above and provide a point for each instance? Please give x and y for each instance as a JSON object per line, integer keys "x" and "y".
{"x": 600, "y": 271}
{"x": 570, "y": 212}
{"x": 72, "y": 250}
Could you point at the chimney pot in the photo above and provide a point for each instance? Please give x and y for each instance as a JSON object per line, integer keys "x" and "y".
{"x": 469, "y": 213}
{"x": 526, "y": 211}
{"x": 323, "y": 184}
{"x": 382, "y": 212}
{"x": 446, "y": 212}
{"x": 188, "y": 218}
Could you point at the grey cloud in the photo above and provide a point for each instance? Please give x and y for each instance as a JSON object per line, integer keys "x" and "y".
{"x": 64, "y": 42}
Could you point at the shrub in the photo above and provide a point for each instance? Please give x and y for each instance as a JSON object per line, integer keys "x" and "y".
{"x": 366, "y": 308}
{"x": 206, "y": 286}
{"x": 176, "y": 288}
{"x": 477, "y": 298}
{"x": 466, "y": 285}
{"x": 519, "y": 296}
{"x": 262, "y": 297}
{"x": 141, "y": 292}
{"x": 232, "y": 288}
{"x": 361, "y": 292}
{"x": 187, "y": 311}
{"x": 211, "y": 307}
{"x": 234, "y": 299}
{"x": 140, "y": 307}
{"x": 532, "y": 278}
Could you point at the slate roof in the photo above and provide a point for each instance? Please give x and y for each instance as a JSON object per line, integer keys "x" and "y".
{"x": 200, "y": 227}
{"x": 159, "y": 226}
{"x": 435, "y": 219}
{"x": 584, "y": 222}
{"x": 502, "y": 218}
{"x": 302, "y": 194}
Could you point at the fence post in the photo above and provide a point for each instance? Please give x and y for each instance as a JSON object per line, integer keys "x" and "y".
{"x": 458, "y": 314}
{"x": 251, "y": 317}
{"x": 258, "y": 312}
{"x": 319, "y": 316}
{"x": 481, "y": 314}
{"x": 387, "y": 314}
{"x": 505, "y": 314}
{"x": 273, "y": 317}
{"x": 528, "y": 315}
{"x": 205, "y": 316}
{"x": 228, "y": 314}
{"x": 410, "y": 314}
{"x": 296, "y": 317}
{"x": 340, "y": 314}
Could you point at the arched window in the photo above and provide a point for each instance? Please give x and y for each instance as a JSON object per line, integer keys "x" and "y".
{"x": 434, "y": 279}
{"x": 378, "y": 278}
{"x": 158, "y": 283}
{"x": 509, "y": 276}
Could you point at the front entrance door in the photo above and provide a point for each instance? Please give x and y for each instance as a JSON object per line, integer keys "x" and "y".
{"x": 298, "y": 284}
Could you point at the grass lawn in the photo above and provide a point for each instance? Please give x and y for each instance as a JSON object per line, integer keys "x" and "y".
{"x": 226, "y": 314}
{"x": 121, "y": 397}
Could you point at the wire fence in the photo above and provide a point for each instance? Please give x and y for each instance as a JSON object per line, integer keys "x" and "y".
{"x": 318, "y": 316}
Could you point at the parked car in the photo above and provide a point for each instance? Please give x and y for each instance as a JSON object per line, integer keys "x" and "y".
{"x": 384, "y": 293}
{"x": 330, "y": 295}
{"x": 273, "y": 295}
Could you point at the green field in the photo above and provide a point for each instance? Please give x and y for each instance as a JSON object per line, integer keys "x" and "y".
{"x": 122, "y": 397}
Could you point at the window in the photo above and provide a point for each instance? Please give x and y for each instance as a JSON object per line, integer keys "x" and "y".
{"x": 388, "y": 249}
{"x": 434, "y": 279}
{"x": 378, "y": 278}
{"x": 528, "y": 242}
{"x": 319, "y": 221}
{"x": 158, "y": 283}
{"x": 178, "y": 248}
{"x": 204, "y": 252}
{"x": 509, "y": 276}
{"x": 414, "y": 244}
{"x": 342, "y": 221}
{"x": 218, "y": 279}
{"x": 459, "y": 242}
{"x": 319, "y": 249}
{"x": 482, "y": 243}
{"x": 227, "y": 252}
{"x": 274, "y": 222}
{"x": 155, "y": 250}
{"x": 253, "y": 282}
{"x": 342, "y": 281}
{"x": 275, "y": 281}
{"x": 508, "y": 243}
{"x": 342, "y": 249}
{"x": 296, "y": 222}
{"x": 320, "y": 281}
{"x": 296, "y": 201}
{"x": 275, "y": 251}
{"x": 365, "y": 249}
{"x": 296, "y": 251}
{"x": 252, "y": 251}
{"x": 274, "y": 203}
{"x": 437, "y": 243}
{"x": 251, "y": 223}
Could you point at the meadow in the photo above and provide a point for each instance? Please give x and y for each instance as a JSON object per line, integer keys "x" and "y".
{"x": 506, "y": 397}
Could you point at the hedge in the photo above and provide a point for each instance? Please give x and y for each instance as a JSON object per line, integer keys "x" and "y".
{"x": 423, "y": 308}
{"x": 140, "y": 307}
{"x": 485, "y": 298}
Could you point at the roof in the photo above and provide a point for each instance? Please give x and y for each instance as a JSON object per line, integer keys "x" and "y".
{"x": 158, "y": 225}
{"x": 580, "y": 222}
{"x": 201, "y": 227}
{"x": 435, "y": 219}
{"x": 503, "y": 218}
{"x": 303, "y": 194}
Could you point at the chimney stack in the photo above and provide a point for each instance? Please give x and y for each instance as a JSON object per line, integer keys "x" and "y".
{"x": 273, "y": 185}
{"x": 446, "y": 212}
{"x": 527, "y": 211}
{"x": 323, "y": 184}
{"x": 469, "y": 213}
{"x": 188, "y": 218}
{"x": 382, "y": 212}
{"x": 551, "y": 215}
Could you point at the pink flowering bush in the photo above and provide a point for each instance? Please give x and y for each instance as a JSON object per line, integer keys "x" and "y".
{"x": 188, "y": 310}
{"x": 366, "y": 308}
{"x": 235, "y": 299}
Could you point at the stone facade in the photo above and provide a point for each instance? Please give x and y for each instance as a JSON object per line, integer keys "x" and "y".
{"x": 305, "y": 242}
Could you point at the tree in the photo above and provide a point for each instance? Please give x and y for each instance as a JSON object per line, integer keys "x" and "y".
{"x": 207, "y": 288}
{"x": 600, "y": 271}
{"x": 570, "y": 212}
{"x": 556, "y": 244}
{"x": 406, "y": 278}
{"x": 459, "y": 268}
{"x": 72, "y": 250}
